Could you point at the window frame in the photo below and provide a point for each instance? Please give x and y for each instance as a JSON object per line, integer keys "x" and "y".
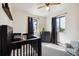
{"x": 60, "y": 23}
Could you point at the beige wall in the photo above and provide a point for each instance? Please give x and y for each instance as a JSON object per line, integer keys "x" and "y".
{"x": 4, "y": 20}
{"x": 72, "y": 20}
{"x": 20, "y": 23}
{"x": 72, "y": 24}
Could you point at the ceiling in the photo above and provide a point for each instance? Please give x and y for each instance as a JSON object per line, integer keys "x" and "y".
{"x": 32, "y": 8}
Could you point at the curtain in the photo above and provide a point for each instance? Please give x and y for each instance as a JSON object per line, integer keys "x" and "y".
{"x": 30, "y": 26}
{"x": 54, "y": 31}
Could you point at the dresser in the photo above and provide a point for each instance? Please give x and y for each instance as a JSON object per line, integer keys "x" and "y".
{"x": 45, "y": 36}
{"x": 5, "y": 37}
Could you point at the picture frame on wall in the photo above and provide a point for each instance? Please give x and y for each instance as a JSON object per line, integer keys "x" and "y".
{"x": 6, "y": 9}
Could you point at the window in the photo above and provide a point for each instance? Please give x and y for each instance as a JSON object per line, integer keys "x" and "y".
{"x": 61, "y": 23}
{"x": 35, "y": 25}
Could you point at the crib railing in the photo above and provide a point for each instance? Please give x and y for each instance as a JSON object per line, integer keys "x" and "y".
{"x": 30, "y": 47}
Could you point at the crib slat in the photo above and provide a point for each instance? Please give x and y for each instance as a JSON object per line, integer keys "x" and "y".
{"x": 23, "y": 50}
{"x": 26, "y": 49}
{"x": 17, "y": 53}
{"x": 13, "y": 52}
{"x": 29, "y": 49}
{"x": 20, "y": 51}
{"x": 33, "y": 51}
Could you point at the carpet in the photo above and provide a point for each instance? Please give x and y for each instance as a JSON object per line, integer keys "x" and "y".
{"x": 49, "y": 49}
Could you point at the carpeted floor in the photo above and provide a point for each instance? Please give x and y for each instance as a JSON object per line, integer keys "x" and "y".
{"x": 49, "y": 49}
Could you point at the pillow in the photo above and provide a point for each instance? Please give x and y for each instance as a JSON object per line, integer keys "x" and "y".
{"x": 17, "y": 39}
{"x": 68, "y": 45}
{"x": 17, "y": 36}
{"x": 75, "y": 44}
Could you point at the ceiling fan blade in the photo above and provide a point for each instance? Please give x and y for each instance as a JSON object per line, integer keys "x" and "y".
{"x": 54, "y": 3}
{"x": 40, "y": 4}
{"x": 41, "y": 7}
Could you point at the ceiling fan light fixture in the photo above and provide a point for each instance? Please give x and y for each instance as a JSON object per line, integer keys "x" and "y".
{"x": 47, "y": 8}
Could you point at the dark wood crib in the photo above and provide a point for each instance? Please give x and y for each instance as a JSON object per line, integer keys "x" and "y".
{"x": 9, "y": 47}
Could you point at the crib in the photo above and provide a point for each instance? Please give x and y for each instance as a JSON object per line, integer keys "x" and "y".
{"x": 29, "y": 47}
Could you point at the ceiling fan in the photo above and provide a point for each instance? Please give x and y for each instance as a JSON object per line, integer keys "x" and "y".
{"x": 47, "y": 5}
